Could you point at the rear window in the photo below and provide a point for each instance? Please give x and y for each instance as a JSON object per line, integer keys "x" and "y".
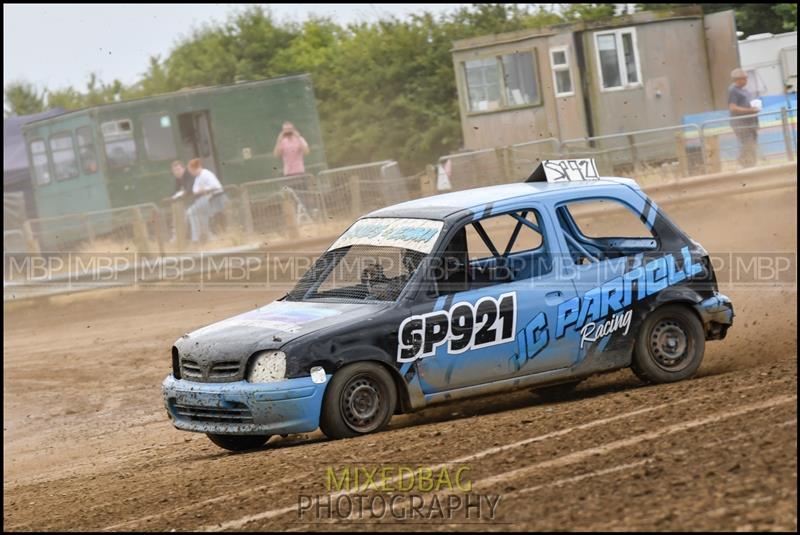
{"x": 607, "y": 218}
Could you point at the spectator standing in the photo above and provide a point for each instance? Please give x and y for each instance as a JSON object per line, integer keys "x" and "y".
{"x": 741, "y": 103}
{"x": 291, "y": 147}
{"x": 206, "y": 189}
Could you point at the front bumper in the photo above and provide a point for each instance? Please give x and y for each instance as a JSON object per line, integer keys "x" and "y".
{"x": 243, "y": 408}
{"x": 717, "y": 315}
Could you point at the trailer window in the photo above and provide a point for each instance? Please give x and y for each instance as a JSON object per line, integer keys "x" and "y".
{"x": 499, "y": 82}
{"x": 617, "y": 59}
{"x": 65, "y": 163}
{"x": 119, "y": 142}
{"x": 86, "y": 150}
{"x": 159, "y": 143}
{"x": 41, "y": 163}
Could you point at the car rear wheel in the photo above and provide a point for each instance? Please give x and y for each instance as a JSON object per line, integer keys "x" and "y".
{"x": 670, "y": 346}
{"x": 238, "y": 442}
{"x": 360, "y": 399}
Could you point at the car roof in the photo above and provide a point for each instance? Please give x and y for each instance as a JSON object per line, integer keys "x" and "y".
{"x": 447, "y": 204}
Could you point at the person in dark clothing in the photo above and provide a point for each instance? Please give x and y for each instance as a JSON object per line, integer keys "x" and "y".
{"x": 746, "y": 128}
{"x": 184, "y": 184}
{"x": 184, "y": 181}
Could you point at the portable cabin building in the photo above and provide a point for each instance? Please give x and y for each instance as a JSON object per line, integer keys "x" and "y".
{"x": 614, "y": 75}
{"x": 120, "y": 154}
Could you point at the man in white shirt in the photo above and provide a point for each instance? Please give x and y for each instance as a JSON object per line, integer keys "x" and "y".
{"x": 206, "y": 185}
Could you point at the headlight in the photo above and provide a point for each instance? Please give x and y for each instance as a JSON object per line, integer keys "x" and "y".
{"x": 267, "y": 367}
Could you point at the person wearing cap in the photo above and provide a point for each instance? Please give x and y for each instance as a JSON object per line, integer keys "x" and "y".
{"x": 740, "y": 105}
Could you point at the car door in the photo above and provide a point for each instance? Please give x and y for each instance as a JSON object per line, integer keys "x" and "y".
{"x": 494, "y": 304}
{"x": 608, "y": 240}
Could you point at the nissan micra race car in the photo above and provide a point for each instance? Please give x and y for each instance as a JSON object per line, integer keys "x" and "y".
{"x": 531, "y": 285}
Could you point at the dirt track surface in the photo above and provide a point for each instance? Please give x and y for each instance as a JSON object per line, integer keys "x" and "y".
{"x": 87, "y": 442}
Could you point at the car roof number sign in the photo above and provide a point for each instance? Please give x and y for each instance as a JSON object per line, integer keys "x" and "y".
{"x": 570, "y": 170}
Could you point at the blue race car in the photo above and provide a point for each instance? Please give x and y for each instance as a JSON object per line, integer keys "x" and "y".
{"x": 531, "y": 285}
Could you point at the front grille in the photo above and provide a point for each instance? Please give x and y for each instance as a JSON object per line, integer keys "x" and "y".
{"x": 191, "y": 368}
{"x": 226, "y": 370}
{"x": 236, "y": 413}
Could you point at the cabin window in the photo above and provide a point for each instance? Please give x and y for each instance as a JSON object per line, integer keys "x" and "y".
{"x": 119, "y": 143}
{"x": 86, "y": 150}
{"x": 483, "y": 83}
{"x": 617, "y": 59}
{"x": 41, "y": 163}
{"x": 159, "y": 143}
{"x": 499, "y": 82}
{"x": 65, "y": 163}
{"x": 562, "y": 77}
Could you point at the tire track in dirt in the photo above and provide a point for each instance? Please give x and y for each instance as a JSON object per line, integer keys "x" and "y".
{"x": 87, "y": 445}
{"x": 256, "y": 520}
{"x": 135, "y": 491}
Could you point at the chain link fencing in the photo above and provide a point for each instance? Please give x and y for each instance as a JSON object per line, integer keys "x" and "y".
{"x": 277, "y": 208}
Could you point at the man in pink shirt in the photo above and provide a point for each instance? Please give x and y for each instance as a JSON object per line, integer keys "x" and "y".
{"x": 291, "y": 147}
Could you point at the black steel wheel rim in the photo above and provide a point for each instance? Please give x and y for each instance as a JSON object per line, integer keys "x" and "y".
{"x": 670, "y": 345}
{"x": 363, "y": 403}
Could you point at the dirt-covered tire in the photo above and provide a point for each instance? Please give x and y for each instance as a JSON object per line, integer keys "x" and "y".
{"x": 556, "y": 392}
{"x": 670, "y": 345}
{"x": 360, "y": 399}
{"x": 238, "y": 442}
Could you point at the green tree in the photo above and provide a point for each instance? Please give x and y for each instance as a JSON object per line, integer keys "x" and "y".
{"x": 384, "y": 90}
{"x": 586, "y": 12}
{"x": 750, "y": 18}
{"x": 67, "y": 98}
{"x": 788, "y": 14}
{"x": 22, "y": 98}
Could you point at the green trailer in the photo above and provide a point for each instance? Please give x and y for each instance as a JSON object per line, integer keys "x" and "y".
{"x": 119, "y": 154}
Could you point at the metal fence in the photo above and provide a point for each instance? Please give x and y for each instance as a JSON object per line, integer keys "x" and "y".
{"x": 14, "y": 241}
{"x": 132, "y": 228}
{"x": 639, "y": 152}
{"x": 746, "y": 141}
{"x": 279, "y": 207}
{"x": 669, "y": 152}
{"x": 473, "y": 168}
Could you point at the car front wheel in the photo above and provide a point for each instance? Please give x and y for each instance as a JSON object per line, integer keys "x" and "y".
{"x": 670, "y": 346}
{"x": 238, "y": 442}
{"x": 360, "y": 399}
